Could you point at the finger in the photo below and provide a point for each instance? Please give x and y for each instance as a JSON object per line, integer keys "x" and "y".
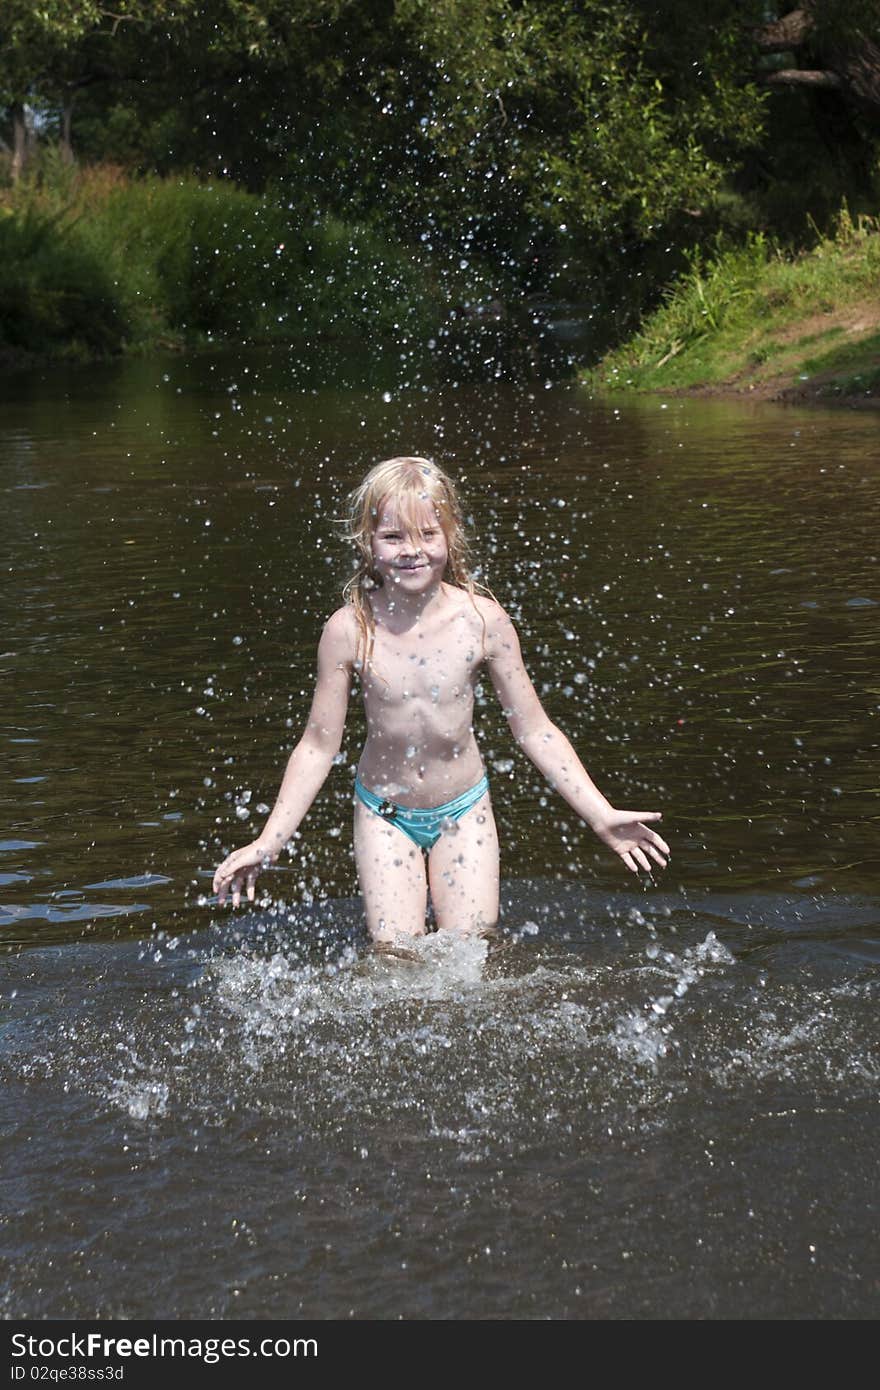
{"x": 221, "y": 879}
{"x": 251, "y": 880}
{"x": 646, "y": 815}
{"x": 641, "y": 859}
{"x": 659, "y": 843}
{"x": 656, "y": 856}
{"x": 222, "y": 872}
{"x": 236, "y": 890}
{"x": 629, "y": 862}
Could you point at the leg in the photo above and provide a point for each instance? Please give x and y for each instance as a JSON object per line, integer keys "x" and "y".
{"x": 463, "y": 872}
{"x": 391, "y": 871}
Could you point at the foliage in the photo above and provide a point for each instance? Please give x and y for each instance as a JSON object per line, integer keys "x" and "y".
{"x": 495, "y": 121}
{"x": 602, "y": 132}
{"x": 55, "y": 294}
{"x": 533, "y": 145}
{"x": 101, "y": 259}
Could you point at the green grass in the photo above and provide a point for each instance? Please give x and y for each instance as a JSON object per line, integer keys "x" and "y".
{"x": 752, "y": 311}
{"x": 844, "y": 356}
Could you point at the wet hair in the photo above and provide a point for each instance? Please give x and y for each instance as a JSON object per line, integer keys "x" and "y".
{"x": 410, "y": 483}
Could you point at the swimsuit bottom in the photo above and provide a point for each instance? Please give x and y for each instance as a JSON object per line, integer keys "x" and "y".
{"x": 424, "y": 827}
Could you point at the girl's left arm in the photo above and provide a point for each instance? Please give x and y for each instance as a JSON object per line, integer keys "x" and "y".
{"x": 625, "y": 832}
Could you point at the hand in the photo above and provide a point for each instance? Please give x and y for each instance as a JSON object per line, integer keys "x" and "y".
{"x": 626, "y": 833}
{"x": 240, "y": 869}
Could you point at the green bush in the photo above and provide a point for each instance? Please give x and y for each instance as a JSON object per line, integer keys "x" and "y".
{"x": 56, "y": 295}
{"x": 201, "y": 258}
{"x": 98, "y": 259}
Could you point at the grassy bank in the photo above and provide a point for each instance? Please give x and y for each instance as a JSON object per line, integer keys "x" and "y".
{"x": 753, "y": 320}
{"x": 93, "y": 263}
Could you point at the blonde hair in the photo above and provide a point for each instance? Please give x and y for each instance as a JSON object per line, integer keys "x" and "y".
{"x": 409, "y": 483}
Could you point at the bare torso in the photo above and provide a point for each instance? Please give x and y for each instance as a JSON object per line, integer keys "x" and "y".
{"x": 431, "y": 641}
{"x": 419, "y": 698}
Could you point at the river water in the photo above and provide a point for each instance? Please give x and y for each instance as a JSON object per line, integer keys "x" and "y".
{"x": 649, "y": 1099}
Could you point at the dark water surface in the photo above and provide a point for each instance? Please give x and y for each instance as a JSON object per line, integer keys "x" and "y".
{"x": 652, "y": 1100}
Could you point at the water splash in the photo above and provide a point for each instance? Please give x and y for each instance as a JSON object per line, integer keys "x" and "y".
{"x": 645, "y": 1035}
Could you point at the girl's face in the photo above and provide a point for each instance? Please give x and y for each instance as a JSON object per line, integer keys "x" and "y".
{"x": 409, "y": 555}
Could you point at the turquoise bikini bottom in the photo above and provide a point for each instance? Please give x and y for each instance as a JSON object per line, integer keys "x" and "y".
{"x": 424, "y": 827}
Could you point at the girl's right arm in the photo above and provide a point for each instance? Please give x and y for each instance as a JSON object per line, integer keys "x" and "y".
{"x": 308, "y": 765}
{"x": 625, "y": 832}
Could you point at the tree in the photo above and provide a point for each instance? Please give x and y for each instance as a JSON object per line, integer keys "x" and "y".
{"x": 54, "y": 49}
{"x": 528, "y": 132}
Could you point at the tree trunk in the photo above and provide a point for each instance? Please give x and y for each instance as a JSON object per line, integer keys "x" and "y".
{"x": 66, "y": 145}
{"x": 20, "y": 143}
{"x": 860, "y": 75}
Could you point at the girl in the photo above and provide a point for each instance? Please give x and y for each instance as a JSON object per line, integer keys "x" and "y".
{"x": 417, "y": 631}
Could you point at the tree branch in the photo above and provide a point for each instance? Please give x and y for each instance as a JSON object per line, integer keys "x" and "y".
{"x": 801, "y": 77}
{"x": 786, "y": 33}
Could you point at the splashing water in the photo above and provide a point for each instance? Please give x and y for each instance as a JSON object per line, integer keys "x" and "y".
{"x": 645, "y": 1035}
{"x": 327, "y": 1097}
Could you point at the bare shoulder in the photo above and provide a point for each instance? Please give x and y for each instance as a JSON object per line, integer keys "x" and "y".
{"x": 490, "y": 610}
{"x": 500, "y": 632}
{"x": 342, "y": 623}
{"x": 476, "y": 610}
{"x": 339, "y": 638}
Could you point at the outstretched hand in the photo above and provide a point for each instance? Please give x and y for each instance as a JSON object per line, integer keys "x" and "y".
{"x": 627, "y": 834}
{"x": 239, "y": 870}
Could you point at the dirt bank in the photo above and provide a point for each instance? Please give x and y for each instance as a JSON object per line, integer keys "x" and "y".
{"x": 827, "y": 358}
